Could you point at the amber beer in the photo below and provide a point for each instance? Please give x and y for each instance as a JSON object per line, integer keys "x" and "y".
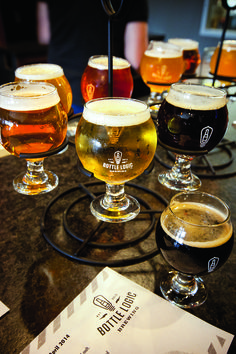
{"x": 116, "y": 139}
{"x": 192, "y": 119}
{"x": 196, "y": 250}
{"x": 31, "y": 118}
{"x": 51, "y": 73}
{"x": 94, "y": 81}
{"x": 227, "y": 63}
{"x": 162, "y": 65}
{"x": 191, "y": 54}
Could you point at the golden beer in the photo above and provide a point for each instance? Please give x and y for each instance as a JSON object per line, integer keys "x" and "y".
{"x": 116, "y": 139}
{"x": 31, "y": 118}
{"x": 191, "y": 54}
{"x": 227, "y": 64}
{"x": 94, "y": 81}
{"x": 51, "y": 73}
{"x": 161, "y": 65}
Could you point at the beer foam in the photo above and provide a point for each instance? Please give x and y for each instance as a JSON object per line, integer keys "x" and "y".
{"x": 28, "y": 96}
{"x": 116, "y": 112}
{"x": 101, "y": 62}
{"x": 42, "y": 71}
{"x": 198, "y": 97}
{"x": 205, "y": 229}
{"x": 184, "y": 43}
{"x": 166, "y": 53}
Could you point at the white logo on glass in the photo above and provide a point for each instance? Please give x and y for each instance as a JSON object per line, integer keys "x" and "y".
{"x": 205, "y": 135}
{"x": 118, "y": 157}
{"x": 212, "y": 263}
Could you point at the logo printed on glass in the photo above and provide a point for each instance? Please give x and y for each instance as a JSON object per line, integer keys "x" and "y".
{"x": 212, "y": 263}
{"x": 205, "y": 135}
{"x": 118, "y": 163}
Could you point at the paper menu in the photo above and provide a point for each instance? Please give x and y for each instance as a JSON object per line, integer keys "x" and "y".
{"x": 3, "y": 309}
{"x": 114, "y": 315}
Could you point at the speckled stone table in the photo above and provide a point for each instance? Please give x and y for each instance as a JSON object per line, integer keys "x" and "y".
{"x": 37, "y": 282}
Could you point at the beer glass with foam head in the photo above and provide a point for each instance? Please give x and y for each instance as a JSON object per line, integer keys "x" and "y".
{"x": 195, "y": 237}
{"x": 227, "y": 67}
{"x": 94, "y": 81}
{"x": 115, "y": 140}
{"x": 51, "y": 73}
{"x": 32, "y": 120}
{"x": 161, "y": 65}
{"x": 191, "y": 54}
{"x": 192, "y": 120}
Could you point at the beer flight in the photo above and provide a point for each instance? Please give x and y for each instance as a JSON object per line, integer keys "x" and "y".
{"x": 116, "y": 140}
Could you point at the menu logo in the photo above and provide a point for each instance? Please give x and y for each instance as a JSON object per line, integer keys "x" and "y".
{"x": 102, "y": 302}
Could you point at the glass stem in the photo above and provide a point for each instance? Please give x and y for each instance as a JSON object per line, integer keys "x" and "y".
{"x": 35, "y": 173}
{"x": 115, "y": 197}
{"x": 182, "y": 167}
{"x": 184, "y": 284}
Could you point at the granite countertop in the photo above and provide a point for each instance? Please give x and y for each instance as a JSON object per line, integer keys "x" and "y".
{"x": 37, "y": 282}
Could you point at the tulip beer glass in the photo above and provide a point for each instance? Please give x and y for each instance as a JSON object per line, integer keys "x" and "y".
{"x": 94, "y": 81}
{"x": 195, "y": 237}
{"x": 161, "y": 65}
{"x": 191, "y": 54}
{"x": 227, "y": 67}
{"x": 115, "y": 140}
{"x": 192, "y": 120}
{"x": 51, "y": 73}
{"x": 32, "y": 121}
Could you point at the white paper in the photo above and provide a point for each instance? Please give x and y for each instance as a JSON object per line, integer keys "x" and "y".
{"x": 3, "y": 309}
{"x": 114, "y": 315}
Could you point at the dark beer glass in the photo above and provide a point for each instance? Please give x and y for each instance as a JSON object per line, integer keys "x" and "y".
{"x": 195, "y": 237}
{"x": 51, "y": 73}
{"x": 192, "y": 120}
{"x": 191, "y": 54}
{"x": 32, "y": 120}
{"x": 115, "y": 140}
{"x": 94, "y": 81}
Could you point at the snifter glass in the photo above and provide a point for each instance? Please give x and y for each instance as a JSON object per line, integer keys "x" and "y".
{"x": 32, "y": 121}
{"x": 192, "y": 120}
{"x": 94, "y": 81}
{"x": 161, "y": 65}
{"x": 195, "y": 237}
{"x": 52, "y": 73}
{"x": 116, "y": 141}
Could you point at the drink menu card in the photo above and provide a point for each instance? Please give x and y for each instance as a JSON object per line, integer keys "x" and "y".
{"x": 114, "y": 315}
{"x": 3, "y": 309}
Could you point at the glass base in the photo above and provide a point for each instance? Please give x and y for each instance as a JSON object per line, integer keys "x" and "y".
{"x": 184, "y": 295}
{"x": 24, "y": 186}
{"x": 170, "y": 181}
{"x": 129, "y": 209}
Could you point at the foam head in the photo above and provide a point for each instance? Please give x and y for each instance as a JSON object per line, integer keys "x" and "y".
{"x": 163, "y": 50}
{"x": 100, "y": 62}
{"x": 39, "y": 72}
{"x": 184, "y": 43}
{"x": 116, "y": 112}
{"x": 198, "y": 97}
{"x": 28, "y": 96}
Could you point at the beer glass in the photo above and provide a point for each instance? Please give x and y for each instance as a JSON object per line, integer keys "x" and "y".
{"x": 51, "y": 73}
{"x": 94, "y": 81}
{"x": 32, "y": 121}
{"x": 195, "y": 237}
{"x": 116, "y": 141}
{"x": 192, "y": 120}
{"x": 191, "y": 54}
{"x": 161, "y": 65}
{"x": 227, "y": 61}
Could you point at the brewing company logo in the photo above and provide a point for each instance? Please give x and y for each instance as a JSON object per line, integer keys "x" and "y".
{"x": 212, "y": 263}
{"x": 205, "y": 135}
{"x": 118, "y": 163}
{"x": 102, "y": 302}
{"x": 90, "y": 88}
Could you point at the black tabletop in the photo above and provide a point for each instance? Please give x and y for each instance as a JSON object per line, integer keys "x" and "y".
{"x": 37, "y": 281}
